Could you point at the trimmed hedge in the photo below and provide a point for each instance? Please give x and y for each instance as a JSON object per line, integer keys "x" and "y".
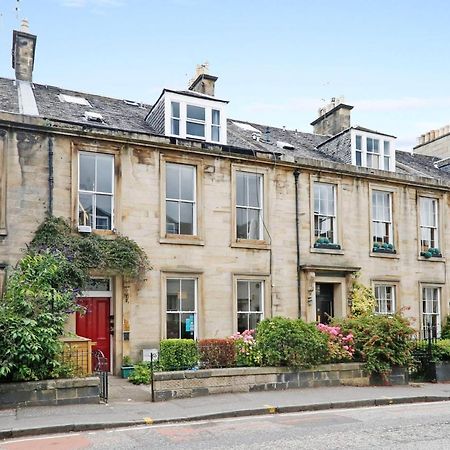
{"x": 178, "y": 354}
{"x": 217, "y": 353}
{"x": 291, "y": 342}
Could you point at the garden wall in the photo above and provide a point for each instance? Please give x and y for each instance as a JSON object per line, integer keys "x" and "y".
{"x": 168, "y": 385}
{"x": 50, "y": 392}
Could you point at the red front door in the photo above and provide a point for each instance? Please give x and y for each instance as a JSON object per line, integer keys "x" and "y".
{"x": 95, "y": 323}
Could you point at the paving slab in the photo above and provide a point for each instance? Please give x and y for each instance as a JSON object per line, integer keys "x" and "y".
{"x": 132, "y": 407}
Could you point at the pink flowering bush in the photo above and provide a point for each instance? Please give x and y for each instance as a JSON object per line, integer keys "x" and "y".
{"x": 247, "y": 353}
{"x": 340, "y": 345}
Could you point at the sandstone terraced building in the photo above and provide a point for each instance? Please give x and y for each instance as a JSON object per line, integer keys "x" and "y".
{"x": 240, "y": 220}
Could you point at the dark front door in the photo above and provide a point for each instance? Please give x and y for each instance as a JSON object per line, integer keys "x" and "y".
{"x": 324, "y": 302}
{"x": 95, "y": 323}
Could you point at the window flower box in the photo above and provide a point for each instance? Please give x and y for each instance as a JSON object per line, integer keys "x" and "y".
{"x": 325, "y": 243}
{"x": 432, "y": 252}
{"x": 383, "y": 248}
{"x": 328, "y": 246}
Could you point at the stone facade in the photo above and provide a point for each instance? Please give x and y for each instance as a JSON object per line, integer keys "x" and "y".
{"x": 214, "y": 257}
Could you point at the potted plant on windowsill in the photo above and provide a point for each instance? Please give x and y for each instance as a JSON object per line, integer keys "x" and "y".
{"x": 324, "y": 242}
{"x": 383, "y": 248}
{"x": 432, "y": 252}
{"x": 127, "y": 367}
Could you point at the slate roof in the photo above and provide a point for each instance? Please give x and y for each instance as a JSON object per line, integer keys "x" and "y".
{"x": 115, "y": 112}
{"x": 130, "y": 116}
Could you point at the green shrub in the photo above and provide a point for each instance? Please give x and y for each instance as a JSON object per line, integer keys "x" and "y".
{"x": 361, "y": 298}
{"x": 33, "y": 312}
{"x": 216, "y": 353}
{"x": 445, "y": 334}
{"x": 441, "y": 350}
{"x": 141, "y": 374}
{"x": 380, "y": 341}
{"x": 177, "y": 354}
{"x": 290, "y": 342}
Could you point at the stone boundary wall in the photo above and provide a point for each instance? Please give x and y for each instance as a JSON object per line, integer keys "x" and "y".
{"x": 50, "y": 392}
{"x": 193, "y": 383}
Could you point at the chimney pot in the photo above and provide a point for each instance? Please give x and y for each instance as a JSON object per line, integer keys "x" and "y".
{"x": 333, "y": 118}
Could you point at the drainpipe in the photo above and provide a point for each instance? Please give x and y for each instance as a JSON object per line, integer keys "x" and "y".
{"x": 50, "y": 176}
{"x": 297, "y": 234}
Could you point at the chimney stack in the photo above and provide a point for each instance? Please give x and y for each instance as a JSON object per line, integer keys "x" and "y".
{"x": 23, "y": 51}
{"x": 203, "y": 83}
{"x": 333, "y": 118}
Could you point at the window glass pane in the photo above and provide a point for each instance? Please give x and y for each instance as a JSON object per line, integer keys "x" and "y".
{"x": 241, "y": 189}
{"x": 85, "y": 206}
{"x": 215, "y": 133}
{"x": 243, "y": 322}
{"x": 172, "y": 213}
{"x": 175, "y": 127}
{"x": 103, "y": 212}
{"x": 242, "y": 296}
{"x": 254, "y": 319}
{"x": 253, "y": 225}
{"x": 256, "y": 296}
{"x": 369, "y": 144}
{"x": 254, "y": 190}
{"x": 358, "y": 142}
{"x": 87, "y": 172}
{"x": 187, "y": 295}
{"x": 173, "y": 326}
{"x": 386, "y": 163}
{"x": 175, "y": 109}
{"x": 376, "y": 146}
{"x": 387, "y": 150}
{"x": 195, "y": 112}
{"x": 187, "y": 326}
{"x": 172, "y": 181}
{"x": 104, "y": 173}
{"x": 195, "y": 129}
{"x": 241, "y": 223}
{"x": 215, "y": 117}
{"x": 186, "y": 218}
{"x": 173, "y": 298}
{"x": 187, "y": 182}
{"x": 358, "y": 158}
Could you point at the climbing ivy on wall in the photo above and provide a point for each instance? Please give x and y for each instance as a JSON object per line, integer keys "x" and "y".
{"x": 117, "y": 255}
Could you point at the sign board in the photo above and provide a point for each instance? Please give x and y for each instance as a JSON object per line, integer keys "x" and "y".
{"x": 147, "y": 352}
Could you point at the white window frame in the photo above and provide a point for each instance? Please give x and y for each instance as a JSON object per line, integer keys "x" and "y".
{"x": 215, "y": 126}
{"x": 209, "y": 104}
{"x": 433, "y": 229}
{"x": 94, "y": 193}
{"x": 249, "y": 313}
{"x": 248, "y": 207}
{"x": 333, "y": 217}
{"x": 380, "y": 293}
{"x": 195, "y": 122}
{"x": 426, "y": 309}
{"x": 174, "y": 118}
{"x": 179, "y": 201}
{"x": 181, "y": 311}
{"x": 387, "y": 224}
{"x": 385, "y": 150}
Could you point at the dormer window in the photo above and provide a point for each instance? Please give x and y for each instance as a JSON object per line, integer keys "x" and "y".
{"x": 189, "y": 115}
{"x": 372, "y": 150}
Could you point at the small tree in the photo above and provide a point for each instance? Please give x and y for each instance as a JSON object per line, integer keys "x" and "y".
{"x": 361, "y": 298}
{"x": 33, "y": 312}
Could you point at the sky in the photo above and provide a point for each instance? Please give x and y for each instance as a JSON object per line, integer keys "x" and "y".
{"x": 277, "y": 61}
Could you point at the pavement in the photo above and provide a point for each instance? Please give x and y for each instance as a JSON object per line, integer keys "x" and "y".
{"x": 130, "y": 405}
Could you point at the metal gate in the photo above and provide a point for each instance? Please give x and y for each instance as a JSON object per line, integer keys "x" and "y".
{"x": 423, "y": 367}
{"x": 101, "y": 369}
